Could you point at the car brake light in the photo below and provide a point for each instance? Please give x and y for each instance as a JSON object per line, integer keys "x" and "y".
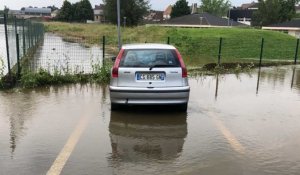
{"x": 115, "y": 70}
{"x": 184, "y": 70}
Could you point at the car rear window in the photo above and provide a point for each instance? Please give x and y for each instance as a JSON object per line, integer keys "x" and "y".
{"x": 149, "y": 58}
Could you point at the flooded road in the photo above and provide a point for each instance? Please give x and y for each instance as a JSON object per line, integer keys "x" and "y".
{"x": 235, "y": 124}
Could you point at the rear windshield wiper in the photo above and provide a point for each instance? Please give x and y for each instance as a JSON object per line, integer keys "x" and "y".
{"x": 161, "y": 65}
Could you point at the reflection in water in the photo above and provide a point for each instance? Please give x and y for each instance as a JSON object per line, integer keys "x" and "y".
{"x": 217, "y": 87}
{"x": 297, "y": 79}
{"x": 293, "y": 77}
{"x": 140, "y": 137}
{"x": 258, "y": 79}
{"x": 19, "y": 109}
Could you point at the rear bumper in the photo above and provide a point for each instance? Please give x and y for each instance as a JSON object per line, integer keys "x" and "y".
{"x": 129, "y": 95}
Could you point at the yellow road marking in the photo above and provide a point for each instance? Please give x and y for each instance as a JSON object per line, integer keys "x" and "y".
{"x": 65, "y": 153}
{"x": 231, "y": 139}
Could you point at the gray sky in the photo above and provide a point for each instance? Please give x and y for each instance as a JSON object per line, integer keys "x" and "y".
{"x": 156, "y": 4}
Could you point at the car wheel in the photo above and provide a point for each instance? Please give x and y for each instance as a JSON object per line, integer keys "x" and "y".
{"x": 114, "y": 106}
{"x": 183, "y": 107}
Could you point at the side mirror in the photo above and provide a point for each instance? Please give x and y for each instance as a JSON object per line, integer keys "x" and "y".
{"x": 113, "y": 58}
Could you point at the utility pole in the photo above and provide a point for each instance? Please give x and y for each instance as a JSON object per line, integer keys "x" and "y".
{"x": 119, "y": 23}
{"x": 124, "y": 21}
{"x": 229, "y": 17}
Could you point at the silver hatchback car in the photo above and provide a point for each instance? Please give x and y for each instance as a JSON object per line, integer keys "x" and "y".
{"x": 149, "y": 74}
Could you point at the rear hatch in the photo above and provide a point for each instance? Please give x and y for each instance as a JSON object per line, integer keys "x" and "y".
{"x": 150, "y": 68}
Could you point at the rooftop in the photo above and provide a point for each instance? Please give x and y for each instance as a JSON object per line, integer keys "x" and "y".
{"x": 202, "y": 19}
{"x": 37, "y": 10}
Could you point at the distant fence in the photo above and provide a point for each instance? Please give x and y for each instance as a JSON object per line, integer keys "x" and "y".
{"x": 199, "y": 51}
{"x": 21, "y": 38}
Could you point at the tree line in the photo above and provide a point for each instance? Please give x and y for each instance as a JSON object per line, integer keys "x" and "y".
{"x": 77, "y": 12}
{"x": 269, "y": 11}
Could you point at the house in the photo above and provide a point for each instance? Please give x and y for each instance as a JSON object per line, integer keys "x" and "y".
{"x": 297, "y": 8}
{"x": 99, "y": 13}
{"x": 167, "y": 13}
{"x": 54, "y": 13}
{"x": 194, "y": 8}
{"x": 200, "y": 20}
{"x": 290, "y": 27}
{"x": 154, "y": 16}
{"x": 15, "y": 12}
{"x": 244, "y": 13}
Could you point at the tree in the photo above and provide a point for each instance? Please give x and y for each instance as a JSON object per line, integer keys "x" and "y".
{"x": 66, "y": 12}
{"x": 53, "y": 8}
{"x": 273, "y": 11}
{"x": 80, "y": 11}
{"x": 215, "y": 7}
{"x": 83, "y": 11}
{"x": 133, "y": 10}
{"x": 180, "y": 8}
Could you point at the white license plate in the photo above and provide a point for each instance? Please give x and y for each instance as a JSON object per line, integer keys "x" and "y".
{"x": 150, "y": 76}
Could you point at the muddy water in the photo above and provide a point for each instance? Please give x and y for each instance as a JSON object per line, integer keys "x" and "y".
{"x": 56, "y": 54}
{"x": 3, "y": 57}
{"x": 235, "y": 124}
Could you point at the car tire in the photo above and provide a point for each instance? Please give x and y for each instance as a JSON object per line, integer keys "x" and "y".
{"x": 183, "y": 107}
{"x": 114, "y": 107}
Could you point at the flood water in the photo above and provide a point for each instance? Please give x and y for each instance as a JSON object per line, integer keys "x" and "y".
{"x": 56, "y": 54}
{"x": 235, "y": 124}
{"x": 3, "y": 57}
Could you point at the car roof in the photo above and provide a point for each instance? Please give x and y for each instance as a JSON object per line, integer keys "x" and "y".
{"x": 147, "y": 46}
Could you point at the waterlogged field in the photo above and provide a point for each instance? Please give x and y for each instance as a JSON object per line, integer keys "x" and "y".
{"x": 3, "y": 60}
{"x": 236, "y": 124}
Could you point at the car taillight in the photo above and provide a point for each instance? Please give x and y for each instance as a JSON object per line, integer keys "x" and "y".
{"x": 115, "y": 70}
{"x": 184, "y": 70}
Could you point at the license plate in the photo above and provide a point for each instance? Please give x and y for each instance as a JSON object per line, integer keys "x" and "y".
{"x": 150, "y": 76}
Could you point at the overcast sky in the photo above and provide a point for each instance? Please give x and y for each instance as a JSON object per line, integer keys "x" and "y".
{"x": 155, "y": 4}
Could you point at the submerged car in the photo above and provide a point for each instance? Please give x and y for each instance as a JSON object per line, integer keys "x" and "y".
{"x": 149, "y": 74}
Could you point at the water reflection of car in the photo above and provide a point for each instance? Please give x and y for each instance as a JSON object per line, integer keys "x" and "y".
{"x": 149, "y": 74}
{"x": 140, "y": 137}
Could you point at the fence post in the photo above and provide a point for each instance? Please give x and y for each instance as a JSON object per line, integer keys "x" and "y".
{"x": 18, "y": 56}
{"x": 7, "y": 45}
{"x": 168, "y": 41}
{"x": 103, "y": 51}
{"x": 31, "y": 34}
{"x": 220, "y": 51}
{"x": 24, "y": 43}
{"x": 28, "y": 35}
{"x": 261, "y": 51}
{"x": 296, "y": 52}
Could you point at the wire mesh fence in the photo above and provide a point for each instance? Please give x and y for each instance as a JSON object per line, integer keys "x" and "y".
{"x": 19, "y": 39}
{"x": 63, "y": 54}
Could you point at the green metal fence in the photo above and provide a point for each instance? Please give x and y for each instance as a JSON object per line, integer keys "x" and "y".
{"x": 22, "y": 37}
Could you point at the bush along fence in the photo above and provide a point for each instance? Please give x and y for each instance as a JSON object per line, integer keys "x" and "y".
{"x": 22, "y": 38}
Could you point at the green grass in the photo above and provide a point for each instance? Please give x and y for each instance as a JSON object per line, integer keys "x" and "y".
{"x": 198, "y": 46}
{"x": 201, "y": 46}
